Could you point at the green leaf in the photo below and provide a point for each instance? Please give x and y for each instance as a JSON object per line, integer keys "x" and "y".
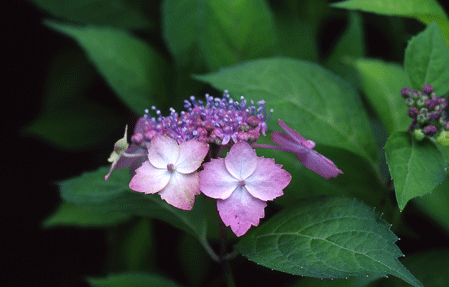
{"x": 220, "y": 32}
{"x": 138, "y": 247}
{"x": 382, "y": 83}
{"x": 90, "y": 190}
{"x": 132, "y": 280}
{"x": 192, "y": 259}
{"x": 416, "y": 167}
{"x": 69, "y": 214}
{"x": 69, "y": 119}
{"x": 431, "y": 267}
{"x": 409, "y": 8}
{"x": 234, "y": 31}
{"x": 436, "y": 203}
{"x": 326, "y": 237}
{"x": 349, "y": 47}
{"x": 134, "y": 70}
{"x": 118, "y": 13}
{"x": 310, "y": 99}
{"x": 296, "y": 38}
{"x": 427, "y": 60}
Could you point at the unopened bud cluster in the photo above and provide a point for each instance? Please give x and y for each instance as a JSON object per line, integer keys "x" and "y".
{"x": 427, "y": 111}
{"x": 220, "y": 121}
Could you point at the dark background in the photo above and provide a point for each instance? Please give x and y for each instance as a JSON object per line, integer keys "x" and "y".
{"x": 64, "y": 256}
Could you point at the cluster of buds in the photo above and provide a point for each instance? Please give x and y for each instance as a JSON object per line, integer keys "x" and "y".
{"x": 427, "y": 111}
{"x": 218, "y": 121}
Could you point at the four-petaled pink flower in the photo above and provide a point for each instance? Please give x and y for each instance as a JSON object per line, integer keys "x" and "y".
{"x": 242, "y": 183}
{"x": 292, "y": 141}
{"x": 171, "y": 171}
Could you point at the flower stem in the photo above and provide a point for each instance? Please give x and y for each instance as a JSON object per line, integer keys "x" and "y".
{"x": 224, "y": 257}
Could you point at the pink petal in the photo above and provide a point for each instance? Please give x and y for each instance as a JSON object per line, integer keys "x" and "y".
{"x": 241, "y": 160}
{"x": 268, "y": 180}
{"x": 287, "y": 143}
{"x": 241, "y": 210}
{"x": 319, "y": 163}
{"x": 296, "y": 136}
{"x": 149, "y": 179}
{"x": 162, "y": 151}
{"x": 216, "y": 181}
{"x": 181, "y": 190}
{"x": 191, "y": 155}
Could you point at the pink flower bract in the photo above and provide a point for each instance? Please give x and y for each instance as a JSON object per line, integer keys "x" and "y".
{"x": 171, "y": 171}
{"x": 242, "y": 183}
{"x": 292, "y": 141}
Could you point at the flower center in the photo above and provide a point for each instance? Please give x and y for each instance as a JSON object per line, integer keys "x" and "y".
{"x": 170, "y": 167}
{"x": 242, "y": 182}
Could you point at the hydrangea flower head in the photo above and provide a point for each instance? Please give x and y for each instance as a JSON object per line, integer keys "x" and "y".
{"x": 171, "y": 171}
{"x": 292, "y": 141}
{"x": 219, "y": 121}
{"x": 242, "y": 183}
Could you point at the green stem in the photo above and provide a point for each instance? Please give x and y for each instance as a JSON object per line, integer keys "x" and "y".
{"x": 224, "y": 257}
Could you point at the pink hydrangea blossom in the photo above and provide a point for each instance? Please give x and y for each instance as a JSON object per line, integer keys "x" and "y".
{"x": 292, "y": 141}
{"x": 171, "y": 171}
{"x": 242, "y": 183}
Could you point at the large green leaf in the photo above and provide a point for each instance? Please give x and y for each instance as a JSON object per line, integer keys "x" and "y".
{"x": 234, "y": 31}
{"x": 416, "y": 167}
{"x": 132, "y": 280}
{"x": 427, "y": 60}
{"x": 222, "y": 32}
{"x": 319, "y": 105}
{"x": 382, "y": 83}
{"x": 326, "y": 237}
{"x": 90, "y": 190}
{"x": 135, "y": 71}
{"x": 118, "y": 13}
{"x": 69, "y": 214}
{"x": 69, "y": 119}
{"x": 431, "y": 267}
{"x": 408, "y": 8}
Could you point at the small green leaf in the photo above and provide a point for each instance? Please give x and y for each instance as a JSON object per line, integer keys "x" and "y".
{"x": 69, "y": 214}
{"x": 326, "y": 237}
{"x": 416, "y": 167}
{"x": 132, "y": 280}
{"x": 308, "y": 98}
{"x": 118, "y": 13}
{"x": 90, "y": 190}
{"x": 427, "y": 60}
{"x": 382, "y": 83}
{"x": 409, "y": 8}
{"x": 135, "y": 71}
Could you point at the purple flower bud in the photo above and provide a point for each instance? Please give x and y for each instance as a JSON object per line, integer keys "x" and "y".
{"x": 434, "y": 116}
{"x": 405, "y": 92}
{"x": 443, "y": 102}
{"x": 415, "y": 94}
{"x": 430, "y": 130}
{"x": 412, "y": 112}
{"x": 447, "y": 126}
{"x": 427, "y": 89}
{"x": 430, "y": 104}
